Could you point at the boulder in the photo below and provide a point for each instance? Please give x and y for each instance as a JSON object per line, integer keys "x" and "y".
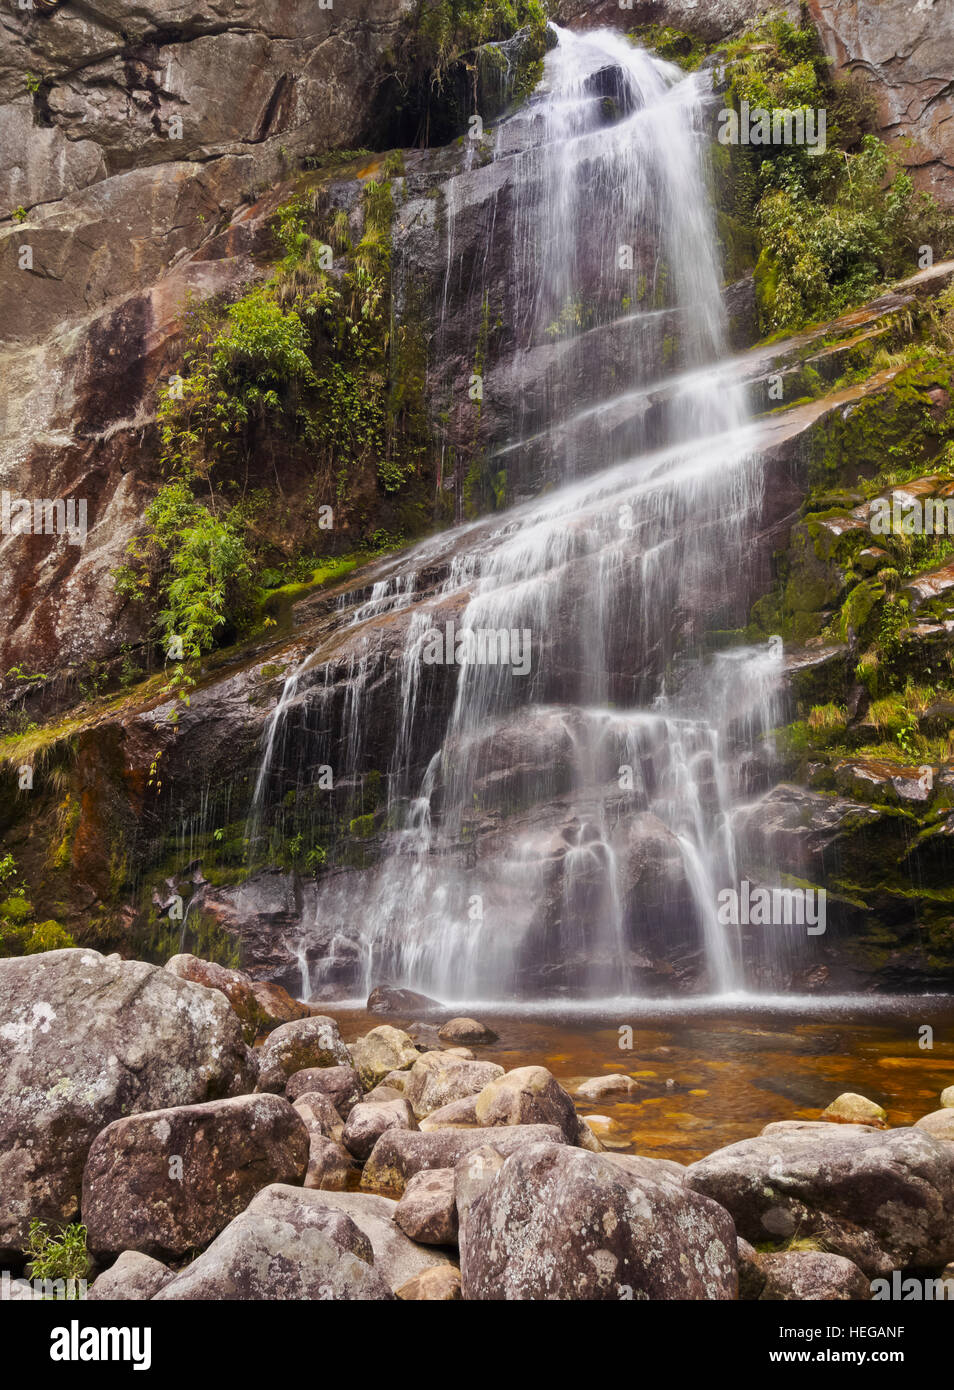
{"x": 382, "y": 1093}
{"x": 330, "y": 1166}
{"x": 133, "y": 1276}
{"x": 384, "y": 1049}
{"x": 427, "y": 1211}
{"x": 851, "y": 1109}
{"x": 339, "y": 1084}
{"x": 396, "y": 1258}
{"x": 466, "y": 1030}
{"x": 437, "y": 1078}
{"x": 882, "y": 1199}
{"x": 555, "y": 1222}
{"x": 439, "y": 1284}
{"x": 85, "y": 1039}
{"x": 289, "y": 1244}
{"x": 602, "y": 1087}
{"x": 401, "y": 1153}
{"x": 320, "y": 1115}
{"x": 367, "y": 1122}
{"x": 237, "y": 987}
{"x": 473, "y": 1173}
{"x": 300, "y": 1046}
{"x": 407, "y": 1003}
{"x": 459, "y": 1114}
{"x": 940, "y": 1124}
{"x": 277, "y": 1005}
{"x": 167, "y": 1181}
{"x": 810, "y": 1275}
{"x": 530, "y": 1096}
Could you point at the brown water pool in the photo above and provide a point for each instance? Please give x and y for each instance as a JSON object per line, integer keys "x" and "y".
{"x": 730, "y": 1073}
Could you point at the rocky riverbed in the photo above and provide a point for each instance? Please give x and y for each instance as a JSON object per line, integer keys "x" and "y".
{"x": 218, "y": 1140}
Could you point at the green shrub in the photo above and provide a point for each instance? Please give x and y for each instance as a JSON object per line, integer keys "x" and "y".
{"x": 60, "y": 1255}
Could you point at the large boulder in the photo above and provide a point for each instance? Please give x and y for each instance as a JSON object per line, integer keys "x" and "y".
{"x": 85, "y": 1039}
{"x": 368, "y": 1121}
{"x": 427, "y": 1211}
{"x": 809, "y": 1276}
{"x": 133, "y": 1276}
{"x": 555, "y": 1222}
{"x": 401, "y": 1153}
{"x": 340, "y": 1084}
{"x": 288, "y": 1244}
{"x": 167, "y": 1181}
{"x": 396, "y": 1258}
{"x": 299, "y": 1046}
{"x": 382, "y": 1050}
{"x": 437, "y": 1078}
{"x": 529, "y": 1096}
{"x": 882, "y": 1199}
{"x": 237, "y": 987}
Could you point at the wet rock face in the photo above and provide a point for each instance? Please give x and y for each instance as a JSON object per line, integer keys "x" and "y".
{"x": 84, "y": 1040}
{"x": 882, "y": 1200}
{"x": 556, "y": 1222}
{"x": 137, "y": 163}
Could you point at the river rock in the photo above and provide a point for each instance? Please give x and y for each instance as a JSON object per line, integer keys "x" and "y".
{"x": 396, "y": 1258}
{"x": 558, "y": 1223}
{"x": 396, "y": 1080}
{"x": 85, "y": 1039}
{"x": 427, "y": 1211}
{"x": 320, "y": 1116}
{"x": 133, "y": 1276}
{"x": 384, "y": 1049}
{"x": 340, "y": 1084}
{"x": 167, "y": 1181}
{"x": 437, "y": 1078}
{"x": 602, "y": 1087}
{"x": 381, "y": 1093}
{"x": 277, "y": 1005}
{"x": 367, "y": 1122}
{"x": 459, "y": 1114}
{"x": 940, "y": 1124}
{"x": 401, "y": 1153}
{"x": 237, "y": 987}
{"x": 330, "y": 1166}
{"x": 947, "y": 1098}
{"x": 531, "y": 1096}
{"x": 810, "y": 1275}
{"x": 851, "y": 1109}
{"x": 289, "y": 1244}
{"x": 300, "y": 1046}
{"x": 439, "y": 1284}
{"x": 466, "y": 1030}
{"x": 407, "y": 1003}
{"x": 882, "y": 1199}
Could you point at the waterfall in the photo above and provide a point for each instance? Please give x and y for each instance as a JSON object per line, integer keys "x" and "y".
{"x": 570, "y": 815}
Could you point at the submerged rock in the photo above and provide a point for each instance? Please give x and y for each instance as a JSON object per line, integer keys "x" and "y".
{"x": 288, "y": 1244}
{"x": 167, "y": 1181}
{"x": 466, "y": 1030}
{"x": 599, "y": 1087}
{"x": 84, "y": 1040}
{"x": 558, "y": 1223}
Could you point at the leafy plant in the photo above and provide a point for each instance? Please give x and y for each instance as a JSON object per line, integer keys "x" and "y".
{"x": 59, "y": 1255}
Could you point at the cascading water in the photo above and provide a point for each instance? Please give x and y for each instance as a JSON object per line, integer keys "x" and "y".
{"x": 568, "y": 812}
